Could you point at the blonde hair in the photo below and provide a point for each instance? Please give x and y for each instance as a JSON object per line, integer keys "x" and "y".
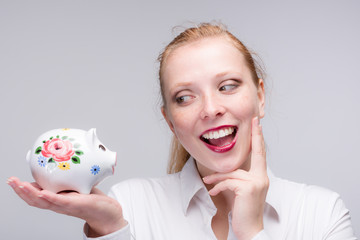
{"x": 178, "y": 154}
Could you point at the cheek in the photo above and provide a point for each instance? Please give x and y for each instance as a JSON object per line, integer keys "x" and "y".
{"x": 246, "y": 108}
{"x": 182, "y": 123}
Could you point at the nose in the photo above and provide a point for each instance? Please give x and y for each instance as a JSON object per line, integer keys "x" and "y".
{"x": 212, "y": 108}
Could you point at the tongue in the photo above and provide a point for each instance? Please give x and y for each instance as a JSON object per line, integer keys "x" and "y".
{"x": 221, "y": 141}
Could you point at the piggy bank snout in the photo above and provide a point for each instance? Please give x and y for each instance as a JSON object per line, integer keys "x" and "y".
{"x": 109, "y": 160}
{"x": 114, "y": 161}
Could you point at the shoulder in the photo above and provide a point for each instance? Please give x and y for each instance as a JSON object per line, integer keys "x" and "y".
{"x": 310, "y": 194}
{"x": 324, "y": 204}
{"x": 311, "y": 207}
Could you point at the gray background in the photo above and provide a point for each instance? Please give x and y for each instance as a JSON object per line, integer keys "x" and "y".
{"x": 83, "y": 64}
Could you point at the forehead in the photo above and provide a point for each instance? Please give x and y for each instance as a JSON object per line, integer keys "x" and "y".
{"x": 209, "y": 56}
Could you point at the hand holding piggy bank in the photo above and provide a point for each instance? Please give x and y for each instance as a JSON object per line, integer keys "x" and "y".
{"x": 70, "y": 159}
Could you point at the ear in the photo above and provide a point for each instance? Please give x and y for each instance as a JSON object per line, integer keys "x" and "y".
{"x": 171, "y": 126}
{"x": 91, "y": 135}
{"x": 28, "y": 156}
{"x": 261, "y": 98}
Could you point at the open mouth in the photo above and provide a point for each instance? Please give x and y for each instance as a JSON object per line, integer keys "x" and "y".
{"x": 221, "y": 139}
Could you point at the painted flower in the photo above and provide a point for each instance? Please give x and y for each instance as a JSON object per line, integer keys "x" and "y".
{"x": 95, "y": 169}
{"x": 64, "y": 166}
{"x": 59, "y": 150}
{"x": 42, "y": 161}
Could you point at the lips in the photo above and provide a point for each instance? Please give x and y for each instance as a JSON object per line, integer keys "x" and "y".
{"x": 220, "y": 139}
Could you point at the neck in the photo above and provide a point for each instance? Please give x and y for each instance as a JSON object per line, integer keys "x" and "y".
{"x": 223, "y": 201}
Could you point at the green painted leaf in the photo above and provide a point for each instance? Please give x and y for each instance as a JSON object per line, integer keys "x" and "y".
{"x": 79, "y": 152}
{"x": 75, "y": 159}
{"x": 57, "y": 136}
{"x": 44, "y": 141}
{"x": 38, "y": 150}
{"x": 51, "y": 160}
{"x": 64, "y": 137}
{"x": 51, "y": 138}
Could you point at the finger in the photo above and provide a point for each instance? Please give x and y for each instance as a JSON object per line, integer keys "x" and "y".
{"x": 229, "y": 184}
{"x": 58, "y": 203}
{"x": 21, "y": 188}
{"x": 28, "y": 192}
{"x": 217, "y": 177}
{"x": 35, "y": 185}
{"x": 15, "y": 182}
{"x": 258, "y": 152}
{"x": 97, "y": 191}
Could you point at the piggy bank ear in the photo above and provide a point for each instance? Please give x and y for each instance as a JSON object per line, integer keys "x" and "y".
{"x": 91, "y": 135}
{"x": 28, "y": 156}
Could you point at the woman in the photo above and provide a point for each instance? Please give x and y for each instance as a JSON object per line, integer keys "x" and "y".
{"x": 220, "y": 188}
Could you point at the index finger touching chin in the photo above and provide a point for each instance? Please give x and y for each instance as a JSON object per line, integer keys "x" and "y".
{"x": 258, "y": 152}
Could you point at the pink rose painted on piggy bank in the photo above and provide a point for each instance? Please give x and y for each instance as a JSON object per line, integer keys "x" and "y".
{"x": 70, "y": 159}
{"x": 60, "y": 150}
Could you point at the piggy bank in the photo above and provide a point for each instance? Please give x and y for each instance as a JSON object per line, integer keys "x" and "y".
{"x": 70, "y": 160}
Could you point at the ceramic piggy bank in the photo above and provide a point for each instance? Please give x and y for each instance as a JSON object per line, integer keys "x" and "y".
{"x": 70, "y": 159}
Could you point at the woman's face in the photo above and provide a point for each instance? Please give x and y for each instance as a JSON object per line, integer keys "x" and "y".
{"x": 210, "y": 102}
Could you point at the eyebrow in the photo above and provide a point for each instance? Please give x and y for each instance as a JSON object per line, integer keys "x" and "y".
{"x": 182, "y": 84}
{"x": 175, "y": 88}
{"x": 222, "y": 74}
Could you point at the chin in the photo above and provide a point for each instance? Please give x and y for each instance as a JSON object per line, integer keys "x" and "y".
{"x": 228, "y": 166}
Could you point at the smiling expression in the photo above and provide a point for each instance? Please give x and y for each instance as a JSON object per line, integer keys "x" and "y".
{"x": 211, "y": 99}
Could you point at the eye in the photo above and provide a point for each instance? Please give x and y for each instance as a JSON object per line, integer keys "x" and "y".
{"x": 228, "y": 87}
{"x": 102, "y": 147}
{"x": 183, "y": 99}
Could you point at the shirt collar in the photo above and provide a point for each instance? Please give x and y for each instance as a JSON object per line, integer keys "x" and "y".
{"x": 274, "y": 191}
{"x": 191, "y": 184}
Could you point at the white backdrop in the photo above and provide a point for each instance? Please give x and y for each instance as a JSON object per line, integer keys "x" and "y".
{"x": 83, "y": 64}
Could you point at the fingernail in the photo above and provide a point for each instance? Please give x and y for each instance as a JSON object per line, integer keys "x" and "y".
{"x": 40, "y": 195}
{"x": 10, "y": 183}
{"x": 205, "y": 179}
{"x": 257, "y": 119}
{"x": 23, "y": 189}
{"x": 211, "y": 193}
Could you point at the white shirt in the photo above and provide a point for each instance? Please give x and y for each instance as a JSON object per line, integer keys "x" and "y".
{"x": 178, "y": 206}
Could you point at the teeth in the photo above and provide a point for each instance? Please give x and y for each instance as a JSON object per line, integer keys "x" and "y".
{"x": 218, "y": 134}
{"x": 222, "y": 133}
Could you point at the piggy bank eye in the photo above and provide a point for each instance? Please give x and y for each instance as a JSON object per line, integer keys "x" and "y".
{"x": 102, "y": 147}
